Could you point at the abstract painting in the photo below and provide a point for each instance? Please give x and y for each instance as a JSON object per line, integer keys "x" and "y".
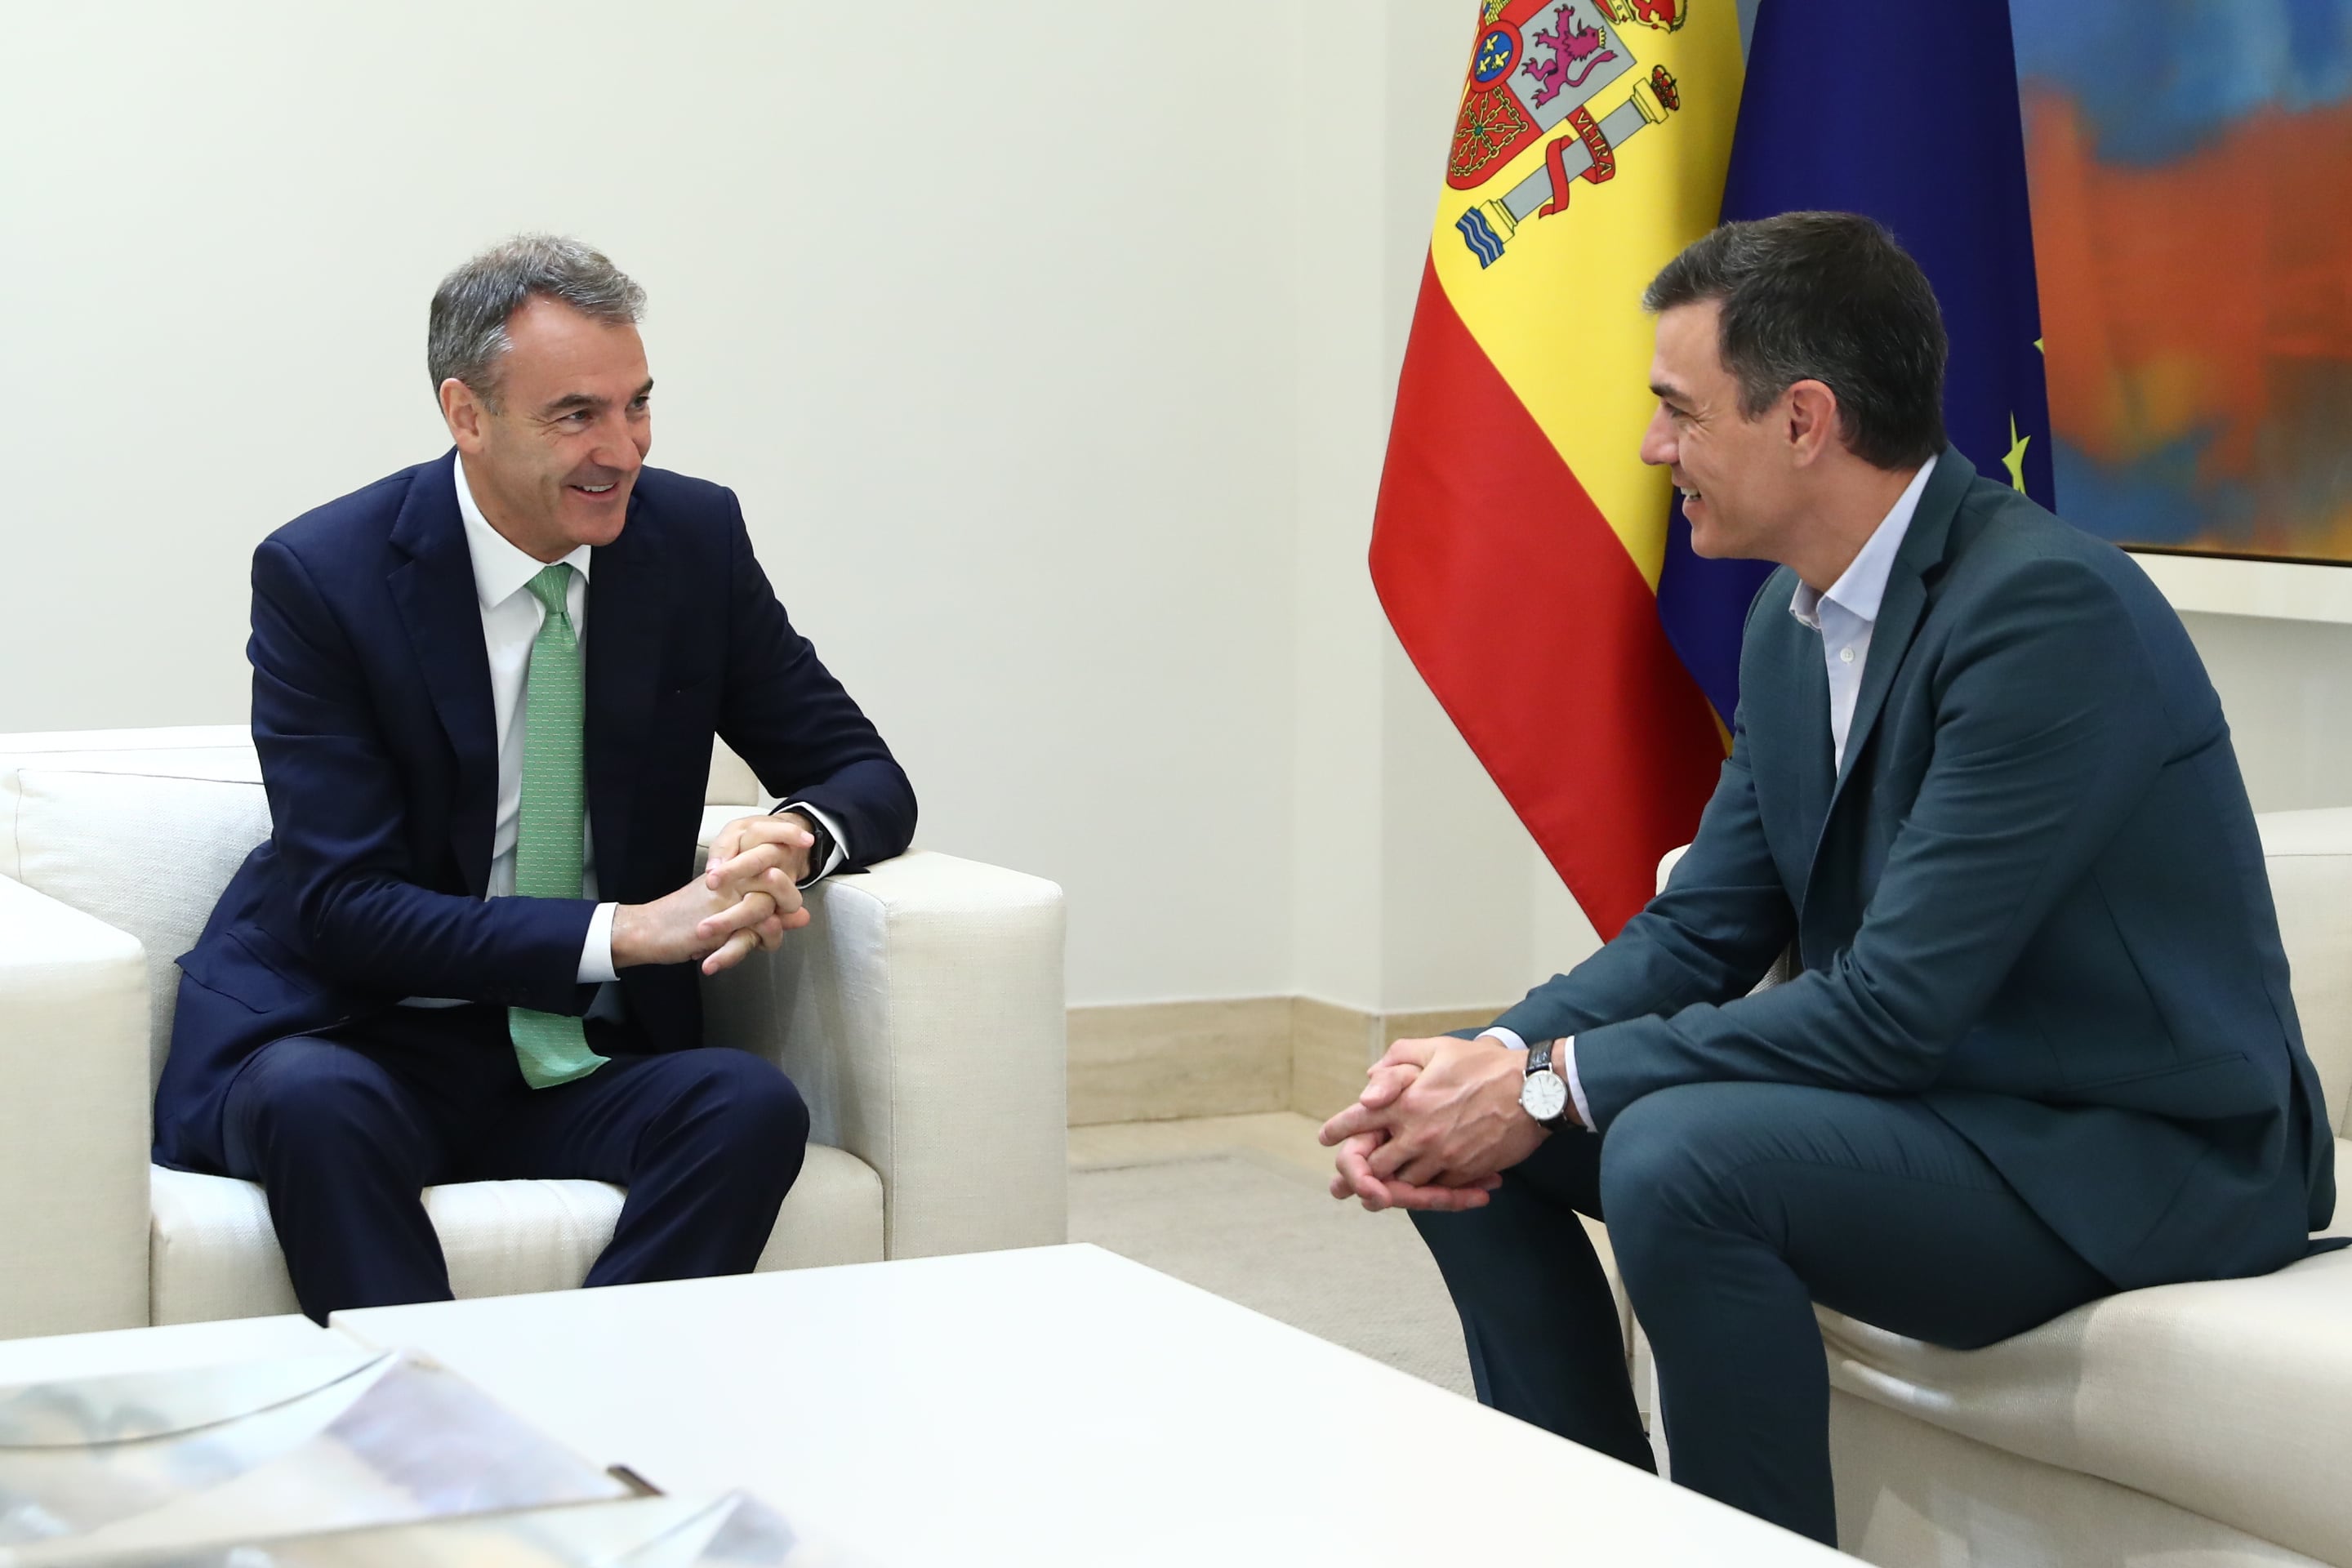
{"x": 2190, "y": 162}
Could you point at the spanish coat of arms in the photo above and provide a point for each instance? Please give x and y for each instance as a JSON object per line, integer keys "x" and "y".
{"x": 1536, "y": 68}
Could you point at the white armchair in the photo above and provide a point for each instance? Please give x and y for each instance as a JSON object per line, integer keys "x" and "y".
{"x": 921, "y": 1013}
{"x": 2189, "y": 1426}
{"x": 2202, "y": 1424}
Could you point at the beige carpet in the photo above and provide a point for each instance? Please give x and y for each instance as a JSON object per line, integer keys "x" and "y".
{"x": 1266, "y": 1235}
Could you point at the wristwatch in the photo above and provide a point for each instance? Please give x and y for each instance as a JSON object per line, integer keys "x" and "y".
{"x": 821, "y": 850}
{"x": 1543, "y": 1093}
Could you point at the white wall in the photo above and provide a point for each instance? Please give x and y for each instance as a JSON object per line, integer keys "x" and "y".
{"x": 1050, "y": 347}
{"x": 1412, "y": 880}
{"x": 988, "y": 321}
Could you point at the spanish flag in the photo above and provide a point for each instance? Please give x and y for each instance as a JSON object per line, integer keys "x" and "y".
{"x": 1518, "y": 539}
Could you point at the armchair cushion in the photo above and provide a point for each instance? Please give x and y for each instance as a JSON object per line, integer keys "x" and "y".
{"x": 213, "y": 1253}
{"x": 2225, "y": 1398}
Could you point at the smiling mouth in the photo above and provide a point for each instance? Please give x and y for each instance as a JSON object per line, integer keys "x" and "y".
{"x": 1688, "y": 494}
{"x": 605, "y": 488}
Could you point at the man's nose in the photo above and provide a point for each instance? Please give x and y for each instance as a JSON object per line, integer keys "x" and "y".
{"x": 1658, "y": 440}
{"x": 617, "y": 446}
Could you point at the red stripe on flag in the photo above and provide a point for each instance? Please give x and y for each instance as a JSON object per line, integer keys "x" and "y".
{"x": 1522, "y": 611}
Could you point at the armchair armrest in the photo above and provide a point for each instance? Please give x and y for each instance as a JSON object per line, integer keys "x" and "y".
{"x": 74, "y": 1129}
{"x": 921, "y": 1014}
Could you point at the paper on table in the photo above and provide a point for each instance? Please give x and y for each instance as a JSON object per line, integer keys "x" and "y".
{"x": 394, "y": 1440}
{"x": 642, "y": 1533}
{"x": 126, "y": 1406}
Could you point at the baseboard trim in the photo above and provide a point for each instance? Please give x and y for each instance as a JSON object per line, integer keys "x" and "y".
{"x": 1155, "y": 1061}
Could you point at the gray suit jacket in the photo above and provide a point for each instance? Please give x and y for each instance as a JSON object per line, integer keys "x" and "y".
{"x": 2034, "y": 898}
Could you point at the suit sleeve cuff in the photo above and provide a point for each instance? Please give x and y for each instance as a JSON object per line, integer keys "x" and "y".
{"x": 1563, "y": 1058}
{"x": 596, "y": 952}
{"x": 833, "y": 828}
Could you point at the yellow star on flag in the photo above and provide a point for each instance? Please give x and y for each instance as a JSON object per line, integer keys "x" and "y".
{"x": 2015, "y": 461}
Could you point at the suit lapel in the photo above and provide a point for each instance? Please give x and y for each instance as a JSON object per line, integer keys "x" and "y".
{"x": 1801, "y": 748}
{"x": 433, "y": 589}
{"x": 1816, "y": 749}
{"x": 1825, "y": 920}
{"x": 1905, "y": 602}
{"x": 628, "y": 605}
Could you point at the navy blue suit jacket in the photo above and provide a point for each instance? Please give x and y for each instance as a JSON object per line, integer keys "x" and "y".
{"x": 2034, "y": 898}
{"x": 371, "y": 714}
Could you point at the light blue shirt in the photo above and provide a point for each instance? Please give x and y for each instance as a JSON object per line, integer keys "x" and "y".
{"x": 1846, "y": 614}
{"x": 1844, "y": 617}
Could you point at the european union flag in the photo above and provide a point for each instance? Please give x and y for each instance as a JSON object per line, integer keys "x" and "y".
{"x": 1907, "y": 112}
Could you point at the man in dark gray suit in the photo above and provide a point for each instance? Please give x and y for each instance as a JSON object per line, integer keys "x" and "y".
{"x": 2039, "y": 1046}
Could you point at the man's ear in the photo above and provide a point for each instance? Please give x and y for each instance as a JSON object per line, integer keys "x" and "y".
{"x": 1812, "y": 421}
{"x": 462, "y": 411}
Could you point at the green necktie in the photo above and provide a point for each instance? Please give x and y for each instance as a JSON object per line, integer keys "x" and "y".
{"x": 551, "y": 1047}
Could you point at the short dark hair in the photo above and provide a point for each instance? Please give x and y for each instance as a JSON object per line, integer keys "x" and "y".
{"x": 1826, "y": 296}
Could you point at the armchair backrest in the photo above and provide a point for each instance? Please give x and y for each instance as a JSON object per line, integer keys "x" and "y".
{"x": 2309, "y": 854}
{"x": 143, "y": 828}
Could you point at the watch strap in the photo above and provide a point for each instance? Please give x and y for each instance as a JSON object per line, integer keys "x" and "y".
{"x": 821, "y": 850}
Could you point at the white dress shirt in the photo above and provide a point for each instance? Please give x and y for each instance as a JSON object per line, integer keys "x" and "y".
{"x": 511, "y": 616}
{"x": 1844, "y": 618}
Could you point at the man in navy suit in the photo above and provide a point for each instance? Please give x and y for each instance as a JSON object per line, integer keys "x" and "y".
{"x": 485, "y": 691}
{"x": 2040, "y": 1046}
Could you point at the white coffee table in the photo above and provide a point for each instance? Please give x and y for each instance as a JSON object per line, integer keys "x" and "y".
{"x": 1056, "y": 1405}
{"x": 112, "y": 1351}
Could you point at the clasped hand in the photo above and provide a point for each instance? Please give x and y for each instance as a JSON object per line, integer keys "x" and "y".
{"x": 1437, "y": 1125}
{"x": 748, "y": 897}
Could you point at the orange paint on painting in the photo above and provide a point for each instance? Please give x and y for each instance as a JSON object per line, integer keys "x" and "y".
{"x": 2189, "y": 296}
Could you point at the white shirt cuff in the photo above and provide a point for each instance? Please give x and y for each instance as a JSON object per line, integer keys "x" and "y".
{"x": 596, "y": 952}
{"x": 1563, "y": 1058}
{"x": 840, "y": 839}
{"x": 1566, "y": 1058}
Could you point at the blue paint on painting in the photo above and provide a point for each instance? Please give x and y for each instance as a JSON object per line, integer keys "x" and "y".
{"x": 2141, "y": 502}
{"x": 2158, "y": 80}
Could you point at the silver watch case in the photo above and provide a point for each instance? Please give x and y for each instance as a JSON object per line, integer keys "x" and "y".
{"x": 1544, "y": 1096}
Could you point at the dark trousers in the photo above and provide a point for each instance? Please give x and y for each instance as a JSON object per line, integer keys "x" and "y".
{"x": 1732, "y": 1209}
{"x": 342, "y": 1130}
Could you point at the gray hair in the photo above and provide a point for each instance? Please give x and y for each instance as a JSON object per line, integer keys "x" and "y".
{"x": 466, "y": 336}
{"x": 1826, "y": 296}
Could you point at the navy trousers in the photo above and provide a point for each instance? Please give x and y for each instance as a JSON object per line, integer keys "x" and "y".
{"x": 342, "y": 1130}
{"x": 1732, "y": 1209}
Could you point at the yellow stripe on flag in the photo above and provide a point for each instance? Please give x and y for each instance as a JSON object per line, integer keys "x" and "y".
{"x": 1558, "y": 311}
